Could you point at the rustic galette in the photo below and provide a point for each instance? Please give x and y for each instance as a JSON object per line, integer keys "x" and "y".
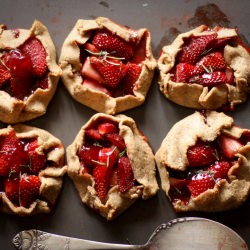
{"x": 28, "y": 72}
{"x": 204, "y": 163}
{"x": 31, "y": 170}
{"x": 111, "y": 164}
{"x": 205, "y": 69}
{"x": 106, "y": 66}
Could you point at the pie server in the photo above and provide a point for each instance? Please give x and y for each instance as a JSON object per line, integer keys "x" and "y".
{"x": 189, "y": 233}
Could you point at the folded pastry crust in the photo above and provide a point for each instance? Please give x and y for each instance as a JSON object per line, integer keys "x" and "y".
{"x": 202, "y": 97}
{"x": 51, "y": 177}
{"x": 13, "y": 110}
{"x": 172, "y": 154}
{"x": 142, "y": 161}
{"x": 93, "y": 97}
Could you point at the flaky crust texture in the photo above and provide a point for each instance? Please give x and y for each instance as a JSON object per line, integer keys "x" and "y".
{"x": 13, "y": 110}
{"x": 195, "y": 95}
{"x": 173, "y": 154}
{"x": 51, "y": 177}
{"x": 71, "y": 67}
{"x": 142, "y": 161}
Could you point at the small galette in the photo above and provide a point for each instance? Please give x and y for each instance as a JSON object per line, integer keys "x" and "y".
{"x": 106, "y": 66}
{"x": 31, "y": 170}
{"x": 28, "y": 72}
{"x": 204, "y": 163}
{"x": 111, "y": 164}
{"x": 205, "y": 69}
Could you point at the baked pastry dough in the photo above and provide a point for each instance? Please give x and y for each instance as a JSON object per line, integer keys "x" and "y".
{"x": 111, "y": 148}
{"x": 83, "y": 81}
{"x": 33, "y": 156}
{"x": 220, "y": 179}
{"x": 25, "y": 95}
{"x": 223, "y": 82}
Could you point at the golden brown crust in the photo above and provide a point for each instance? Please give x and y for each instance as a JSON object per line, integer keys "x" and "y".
{"x": 71, "y": 67}
{"x": 13, "y": 110}
{"x": 142, "y": 161}
{"x": 195, "y": 95}
{"x": 51, "y": 177}
{"x": 173, "y": 154}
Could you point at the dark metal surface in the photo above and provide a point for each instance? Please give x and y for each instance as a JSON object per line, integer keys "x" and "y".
{"x": 165, "y": 19}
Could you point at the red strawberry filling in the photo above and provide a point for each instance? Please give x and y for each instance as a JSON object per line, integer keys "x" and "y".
{"x": 110, "y": 64}
{"x": 19, "y": 169}
{"x": 201, "y": 61}
{"x": 208, "y": 164}
{"x": 24, "y": 69}
{"x": 104, "y": 156}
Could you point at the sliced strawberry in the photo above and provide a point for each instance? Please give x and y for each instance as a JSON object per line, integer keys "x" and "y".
{"x": 91, "y": 48}
{"x": 230, "y": 146}
{"x": 101, "y": 182}
{"x": 108, "y": 157}
{"x": 11, "y": 188}
{"x": 5, "y": 74}
{"x": 37, "y": 162}
{"x": 178, "y": 183}
{"x": 219, "y": 169}
{"x": 212, "y": 62}
{"x": 116, "y": 46}
{"x": 12, "y": 151}
{"x": 35, "y": 50}
{"x": 29, "y": 189}
{"x": 125, "y": 175}
{"x": 111, "y": 70}
{"x": 183, "y": 72}
{"x": 93, "y": 134}
{"x": 107, "y": 128}
{"x": 43, "y": 82}
{"x": 88, "y": 70}
{"x": 94, "y": 85}
{"x": 210, "y": 79}
{"x": 31, "y": 145}
{"x": 229, "y": 76}
{"x": 195, "y": 47}
{"x": 21, "y": 70}
{"x": 4, "y": 167}
{"x": 201, "y": 154}
{"x": 117, "y": 141}
{"x": 89, "y": 154}
{"x": 132, "y": 75}
{"x": 200, "y": 183}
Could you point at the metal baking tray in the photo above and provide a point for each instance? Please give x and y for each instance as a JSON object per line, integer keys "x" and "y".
{"x": 64, "y": 118}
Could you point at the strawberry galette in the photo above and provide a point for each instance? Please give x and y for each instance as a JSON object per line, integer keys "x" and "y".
{"x": 111, "y": 164}
{"x": 204, "y": 163}
{"x": 205, "y": 69}
{"x": 31, "y": 170}
{"x": 106, "y": 66}
{"x": 28, "y": 72}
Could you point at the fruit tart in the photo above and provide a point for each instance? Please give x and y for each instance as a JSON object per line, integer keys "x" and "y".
{"x": 31, "y": 170}
{"x": 28, "y": 72}
{"x": 204, "y": 163}
{"x": 106, "y": 66}
{"x": 111, "y": 164}
{"x": 205, "y": 69}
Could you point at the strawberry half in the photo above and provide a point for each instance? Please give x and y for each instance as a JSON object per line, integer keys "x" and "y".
{"x": 37, "y": 161}
{"x": 89, "y": 154}
{"x": 111, "y": 70}
{"x": 195, "y": 47}
{"x": 200, "y": 183}
{"x": 219, "y": 169}
{"x": 117, "y": 140}
{"x": 11, "y": 189}
{"x": 132, "y": 75}
{"x": 230, "y": 146}
{"x": 201, "y": 154}
{"x": 125, "y": 175}
{"x": 5, "y": 74}
{"x": 29, "y": 186}
{"x": 183, "y": 72}
{"x": 212, "y": 62}
{"x": 101, "y": 182}
{"x": 210, "y": 79}
{"x": 116, "y": 46}
{"x": 107, "y": 128}
{"x": 35, "y": 50}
